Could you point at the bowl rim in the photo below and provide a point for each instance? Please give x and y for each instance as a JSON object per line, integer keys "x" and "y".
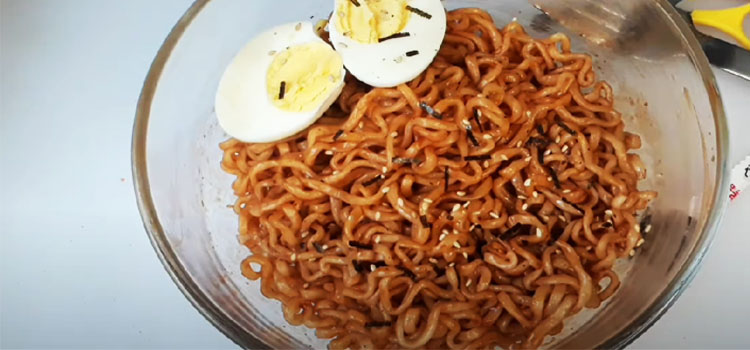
{"x": 225, "y": 324}
{"x": 146, "y": 206}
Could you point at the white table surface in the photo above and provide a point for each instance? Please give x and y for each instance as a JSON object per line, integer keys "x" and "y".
{"x": 77, "y": 270}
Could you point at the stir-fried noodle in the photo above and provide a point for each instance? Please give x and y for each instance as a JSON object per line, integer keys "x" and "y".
{"x": 477, "y": 206}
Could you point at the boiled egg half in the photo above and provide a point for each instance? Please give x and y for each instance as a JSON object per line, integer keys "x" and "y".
{"x": 278, "y": 84}
{"x": 387, "y": 42}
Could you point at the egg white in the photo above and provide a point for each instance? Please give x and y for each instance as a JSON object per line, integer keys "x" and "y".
{"x": 243, "y": 106}
{"x": 385, "y": 64}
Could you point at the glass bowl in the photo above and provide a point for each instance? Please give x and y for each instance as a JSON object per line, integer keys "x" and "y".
{"x": 663, "y": 86}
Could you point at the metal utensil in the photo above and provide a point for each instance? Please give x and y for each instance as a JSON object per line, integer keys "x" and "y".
{"x": 728, "y": 57}
{"x": 611, "y": 23}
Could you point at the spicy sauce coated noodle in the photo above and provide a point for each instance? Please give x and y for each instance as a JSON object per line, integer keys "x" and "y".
{"x": 477, "y": 206}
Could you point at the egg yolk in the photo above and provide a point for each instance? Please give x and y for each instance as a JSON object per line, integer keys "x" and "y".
{"x": 366, "y": 21}
{"x": 309, "y": 73}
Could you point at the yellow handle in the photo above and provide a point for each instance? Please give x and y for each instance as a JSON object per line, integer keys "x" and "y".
{"x": 728, "y": 21}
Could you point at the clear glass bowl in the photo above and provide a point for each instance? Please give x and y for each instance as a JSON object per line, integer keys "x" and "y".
{"x": 664, "y": 89}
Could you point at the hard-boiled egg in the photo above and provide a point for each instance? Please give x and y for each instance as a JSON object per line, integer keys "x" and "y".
{"x": 387, "y": 42}
{"x": 278, "y": 84}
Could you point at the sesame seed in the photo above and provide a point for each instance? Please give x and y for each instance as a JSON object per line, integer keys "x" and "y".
{"x": 461, "y": 193}
{"x": 619, "y": 201}
{"x": 306, "y": 285}
{"x": 528, "y": 114}
{"x": 547, "y": 152}
{"x": 294, "y": 257}
{"x": 539, "y": 232}
{"x": 325, "y": 246}
{"x": 525, "y": 206}
{"x": 487, "y": 137}
{"x": 298, "y": 26}
{"x": 518, "y": 144}
{"x": 632, "y": 253}
{"x": 527, "y": 183}
{"x": 560, "y": 202}
{"x": 608, "y": 212}
{"x": 385, "y": 169}
{"x": 647, "y": 229}
{"x": 442, "y": 236}
{"x": 557, "y": 139}
{"x": 385, "y": 189}
{"x": 465, "y": 123}
{"x": 486, "y": 164}
{"x": 640, "y": 242}
{"x": 468, "y": 283}
{"x": 566, "y": 191}
{"x": 637, "y": 228}
{"x": 455, "y": 232}
{"x": 373, "y": 267}
{"x": 394, "y": 134}
{"x": 520, "y": 196}
{"x": 432, "y": 260}
{"x": 476, "y": 213}
{"x": 562, "y": 218}
{"x": 494, "y": 215}
{"x": 466, "y": 255}
{"x": 329, "y": 152}
{"x": 565, "y": 148}
{"x": 361, "y": 125}
{"x": 377, "y": 239}
{"x": 503, "y": 157}
{"x": 456, "y": 207}
{"x": 466, "y": 204}
{"x": 304, "y": 234}
{"x": 549, "y": 178}
{"x": 427, "y": 200}
{"x": 456, "y": 244}
{"x": 527, "y": 159}
{"x": 535, "y": 194}
{"x": 452, "y": 264}
{"x": 377, "y": 216}
{"x": 400, "y": 202}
